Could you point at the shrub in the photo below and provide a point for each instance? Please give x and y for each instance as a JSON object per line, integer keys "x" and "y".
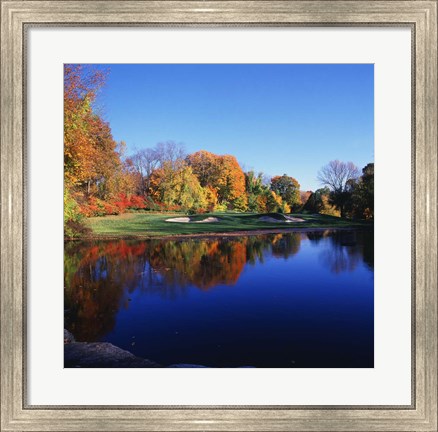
{"x": 111, "y": 209}
{"x": 136, "y": 202}
{"x": 73, "y": 219}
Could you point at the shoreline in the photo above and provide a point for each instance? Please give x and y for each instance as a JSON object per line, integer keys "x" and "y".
{"x": 240, "y": 233}
{"x": 107, "y": 355}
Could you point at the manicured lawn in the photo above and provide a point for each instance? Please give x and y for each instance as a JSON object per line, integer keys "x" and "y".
{"x": 155, "y": 225}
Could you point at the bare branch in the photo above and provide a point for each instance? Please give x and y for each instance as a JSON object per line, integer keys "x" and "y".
{"x": 336, "y": 174}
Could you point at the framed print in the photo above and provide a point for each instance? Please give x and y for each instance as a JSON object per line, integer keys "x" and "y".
{"x": 204, "y": 225}
{"x": 199, "y": 178}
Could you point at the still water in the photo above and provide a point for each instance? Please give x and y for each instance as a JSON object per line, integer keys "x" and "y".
{"x": 301, "y": 299}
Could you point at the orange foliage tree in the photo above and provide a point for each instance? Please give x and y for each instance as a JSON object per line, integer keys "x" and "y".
{"x": 223, "y": 174}
{"x": 94, "y": 171}
{"x": 85, "y": 134}
{"x": 289, "y": 190}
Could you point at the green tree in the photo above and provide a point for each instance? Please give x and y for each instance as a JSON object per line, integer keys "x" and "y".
{"x": 289, "y": 190}
{"x": 73, "y": 220}
{"x": 254, "y": 190}
{"x": 362, "y": 199}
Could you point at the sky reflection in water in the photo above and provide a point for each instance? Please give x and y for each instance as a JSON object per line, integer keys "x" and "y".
{"x": 279, "y": 300}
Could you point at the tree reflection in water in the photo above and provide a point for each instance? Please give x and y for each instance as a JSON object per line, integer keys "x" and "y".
{"x": 349, "y": 248}
{"x": 101, "y": 276}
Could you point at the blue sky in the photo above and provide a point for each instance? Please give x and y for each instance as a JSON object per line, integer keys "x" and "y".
{"x": 279, "y": 119}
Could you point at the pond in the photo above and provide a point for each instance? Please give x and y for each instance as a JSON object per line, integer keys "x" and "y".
{"x": 297, "y": 299}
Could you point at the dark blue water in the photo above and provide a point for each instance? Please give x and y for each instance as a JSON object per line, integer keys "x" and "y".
{"x": 281, "y": 300}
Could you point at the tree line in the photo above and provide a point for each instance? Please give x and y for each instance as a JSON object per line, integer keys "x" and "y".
{"x": 100, "y": 179}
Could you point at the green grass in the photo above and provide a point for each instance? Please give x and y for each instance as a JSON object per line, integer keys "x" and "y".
{"x": 155, "y": 225}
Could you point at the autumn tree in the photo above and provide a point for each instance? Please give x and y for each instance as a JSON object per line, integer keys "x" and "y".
{"x": 269, "y": 202}
{"x": 204, "y": 165}
{"x": 275, "y": 203}
{"x": 121, "y": 179}
{"x": 319, "y": 202}
{"x": 338, "y": 176}
{"x": 177, "y": 186}
{"x": 222, "y": 173}
{"x": 90, "y": 152}
{"x": 314, "y": 203}
{"x": 145, "y": 161}
{"x": 304, "y": 195}
{"x": 231, "y": 183}
{"x": 98, "y": 178}
{"x": 90, "y": 155}
{"x": 81, "y": 146}
{"x": 288, "y": 188}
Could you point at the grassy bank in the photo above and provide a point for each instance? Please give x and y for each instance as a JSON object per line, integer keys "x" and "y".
{"x": 155, "y": 225}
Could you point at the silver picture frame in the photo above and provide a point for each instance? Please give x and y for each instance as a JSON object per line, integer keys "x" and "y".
{"x": 18, "y": 16}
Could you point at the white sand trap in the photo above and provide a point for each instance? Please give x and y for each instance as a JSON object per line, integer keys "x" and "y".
{"x": 294, "y": 219}
{"x": 208, "y": 220}
{"x": 179, "y": 220}
{"x": 288, "y": 219}
{"x": 188, "y": 220}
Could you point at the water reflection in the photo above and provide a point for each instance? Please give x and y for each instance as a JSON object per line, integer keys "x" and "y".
{"x": 101, "y": 278}
{"x": 349, "y": 248}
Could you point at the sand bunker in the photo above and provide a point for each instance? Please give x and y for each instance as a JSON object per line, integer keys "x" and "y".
{"x": 208, "y": 220}
{"x": 188, "y": 220}
{"x": 211, "y": 219}
{"x": 294, "y": 219}
{"x": 287, "y": 219}
{"x": 179, "y": 220}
